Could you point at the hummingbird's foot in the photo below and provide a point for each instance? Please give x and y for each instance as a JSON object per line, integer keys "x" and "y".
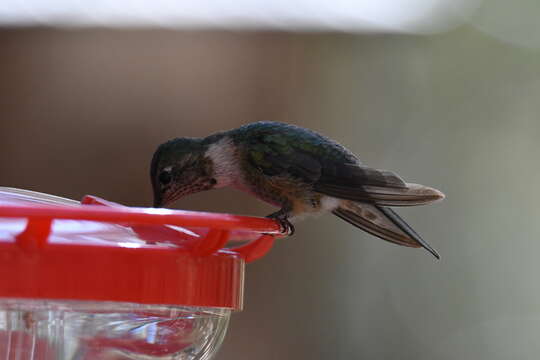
{"x": 286, "y": 227}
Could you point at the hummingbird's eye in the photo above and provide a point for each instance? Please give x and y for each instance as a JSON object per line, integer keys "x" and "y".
{"x": 165, "y": 177}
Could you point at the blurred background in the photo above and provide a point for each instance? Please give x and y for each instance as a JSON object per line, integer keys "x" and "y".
{"x": 445, "y": 93}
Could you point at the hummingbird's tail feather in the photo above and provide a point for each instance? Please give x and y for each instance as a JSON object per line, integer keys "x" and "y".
{"x": 382, "y": 222}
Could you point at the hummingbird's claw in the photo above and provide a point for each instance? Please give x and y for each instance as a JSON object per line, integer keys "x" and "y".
{"x": 286, "y": 227}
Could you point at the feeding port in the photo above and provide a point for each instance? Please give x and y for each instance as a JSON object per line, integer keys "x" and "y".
{"x": 98, "y": 280}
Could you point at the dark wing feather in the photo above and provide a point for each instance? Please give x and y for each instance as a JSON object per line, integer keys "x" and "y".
{"x": 297, "y": 164}
{"x": 353, "y": 182}
{"x": 354, "y": 175}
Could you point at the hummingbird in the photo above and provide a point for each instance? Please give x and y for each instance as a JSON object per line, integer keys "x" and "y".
{"x": 295, "y": 169}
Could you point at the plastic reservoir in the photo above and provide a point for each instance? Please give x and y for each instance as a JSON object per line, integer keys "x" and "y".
{"x": 111, "y": 282}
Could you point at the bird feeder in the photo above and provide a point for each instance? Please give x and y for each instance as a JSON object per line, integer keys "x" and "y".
{"x": 98, "y": 280}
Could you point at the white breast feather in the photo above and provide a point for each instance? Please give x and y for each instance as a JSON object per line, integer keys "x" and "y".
{"x": 329, "y": 203}
{"x": 226, "y": 167}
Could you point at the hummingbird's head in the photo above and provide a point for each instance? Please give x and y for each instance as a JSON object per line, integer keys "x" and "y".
{"x": 180, "y": 167}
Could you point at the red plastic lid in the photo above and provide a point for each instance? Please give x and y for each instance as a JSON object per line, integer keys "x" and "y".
{"x": 54, "y": 248}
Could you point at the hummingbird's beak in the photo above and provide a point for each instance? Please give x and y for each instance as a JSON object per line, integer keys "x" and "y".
{"x": 163, "y": 199}
{"x": 158, "y": 200}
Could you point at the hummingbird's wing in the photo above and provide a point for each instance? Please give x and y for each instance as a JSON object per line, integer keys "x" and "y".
{"x": 363, "y": 188}
{"x": 337, "y": 176}
{"x": 361, "y": 183}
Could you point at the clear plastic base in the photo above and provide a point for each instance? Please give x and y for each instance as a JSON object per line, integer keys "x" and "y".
{"x": 81, "y": 330}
